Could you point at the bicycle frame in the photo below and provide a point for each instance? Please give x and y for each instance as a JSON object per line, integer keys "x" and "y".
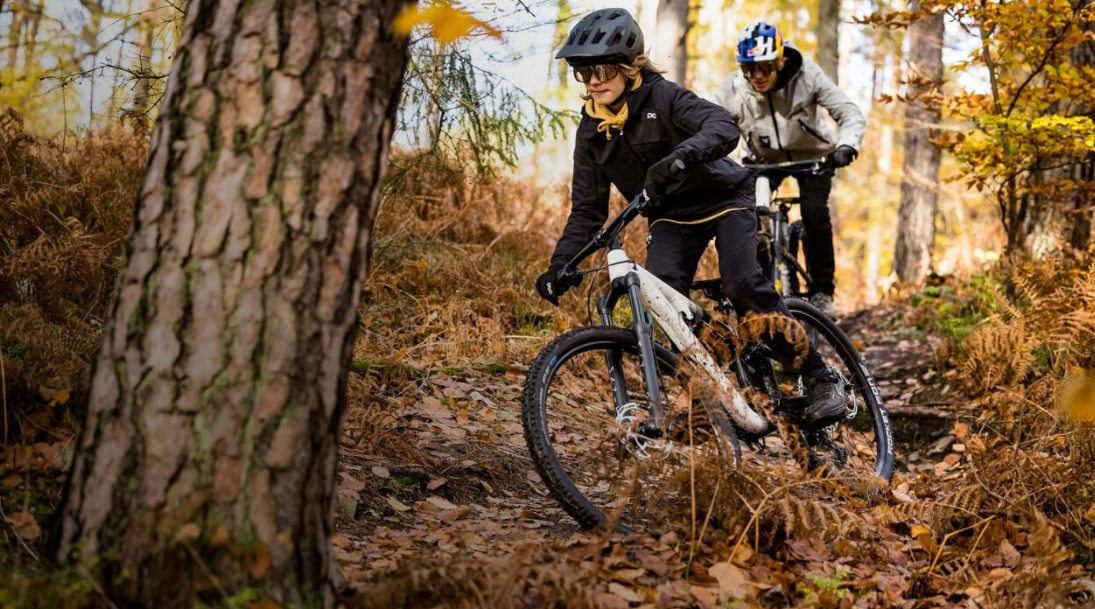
{"x": 652, "y": 299}
{"x": 780, "y": 271}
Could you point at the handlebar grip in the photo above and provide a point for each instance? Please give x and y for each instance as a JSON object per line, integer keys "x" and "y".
{"x": 676, "y": 168}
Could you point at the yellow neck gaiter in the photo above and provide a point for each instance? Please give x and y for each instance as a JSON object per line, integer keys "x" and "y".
{"x": 605, "y": 114}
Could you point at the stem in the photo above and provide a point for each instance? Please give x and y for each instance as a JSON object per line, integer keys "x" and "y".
{"x": 985, "y": 35}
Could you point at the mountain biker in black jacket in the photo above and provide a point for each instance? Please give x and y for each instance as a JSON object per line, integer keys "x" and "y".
{"x": 635, "y": 124}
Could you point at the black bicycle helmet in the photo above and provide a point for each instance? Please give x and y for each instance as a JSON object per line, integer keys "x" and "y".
{"x": 609, "y": 35}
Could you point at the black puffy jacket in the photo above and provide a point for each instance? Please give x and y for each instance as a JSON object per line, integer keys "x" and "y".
{"x": 662, "y": 118}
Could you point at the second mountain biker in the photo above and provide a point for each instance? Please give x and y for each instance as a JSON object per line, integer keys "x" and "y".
{"x": 775, "y": 99}
{"x": 635, "y": 125}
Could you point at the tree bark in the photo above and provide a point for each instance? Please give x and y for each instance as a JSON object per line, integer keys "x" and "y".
{"x": 920, "y": 183}
{"x": 671, "y": 39}
{"x": 206, "y": 463}
{"x": 828, "y": 38}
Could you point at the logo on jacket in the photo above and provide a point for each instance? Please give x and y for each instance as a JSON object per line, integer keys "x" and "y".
{"x": 765, "y": 141}
{"x": 651, "y": 115}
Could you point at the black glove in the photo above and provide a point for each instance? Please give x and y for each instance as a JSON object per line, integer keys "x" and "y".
{"x": 659, "y": 177}
{"x": 551, "y": 286}
{"x": 747, "y": 161}
{"x": 842, "y": 156}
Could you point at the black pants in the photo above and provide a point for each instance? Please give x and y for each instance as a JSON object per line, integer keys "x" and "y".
{"x": 673, "y": 255}
{"x": 820, "y": 261}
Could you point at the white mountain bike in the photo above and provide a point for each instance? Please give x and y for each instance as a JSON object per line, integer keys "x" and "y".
{"x": 609, "y": 413}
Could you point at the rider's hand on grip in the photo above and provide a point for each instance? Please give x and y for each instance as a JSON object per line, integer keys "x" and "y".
{"x": 658, "y": 179}
{"x": 553, "y": 283}
{"x": 842, "y": 157}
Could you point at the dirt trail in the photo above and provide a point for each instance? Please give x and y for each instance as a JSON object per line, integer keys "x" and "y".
{"x": 456, "y": 478}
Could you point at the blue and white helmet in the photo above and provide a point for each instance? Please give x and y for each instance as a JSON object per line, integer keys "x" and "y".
{"x": 760, "y": 42}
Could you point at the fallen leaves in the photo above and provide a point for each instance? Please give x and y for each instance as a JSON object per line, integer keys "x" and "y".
{"x": 625, "y": 593}
{"x": 731, "y": 578}
{"x": 435, "y": 484}
{"x": 258, "y": 561}
{"x": 24, "y": 525}
{"x": 442, "y": 503}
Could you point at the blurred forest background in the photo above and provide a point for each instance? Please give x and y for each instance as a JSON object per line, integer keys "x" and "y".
{"x": 72, "y": 70}
{"x": 968, "y": 213}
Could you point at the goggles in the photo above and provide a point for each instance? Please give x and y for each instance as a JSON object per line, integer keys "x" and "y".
{"x": 764, "y": 68}
{"x": 604, "y": 72}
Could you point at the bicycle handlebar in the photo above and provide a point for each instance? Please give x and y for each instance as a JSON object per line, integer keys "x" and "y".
{"x": 812, "y": 166}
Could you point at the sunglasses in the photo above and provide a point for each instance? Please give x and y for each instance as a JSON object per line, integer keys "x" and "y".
{"x": 604, "y": 72}
{"x": 766, "y": 68}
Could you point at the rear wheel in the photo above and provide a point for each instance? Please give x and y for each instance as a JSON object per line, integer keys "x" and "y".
{"x": 591, "y": 437}
{"x": 861, "y": 444}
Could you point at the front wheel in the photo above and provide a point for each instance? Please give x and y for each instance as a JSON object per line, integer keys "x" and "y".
{"x": 859, "y": 444}
{"x": 587, "y": 425}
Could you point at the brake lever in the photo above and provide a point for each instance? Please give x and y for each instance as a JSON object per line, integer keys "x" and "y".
{"x": 641, "y": 207}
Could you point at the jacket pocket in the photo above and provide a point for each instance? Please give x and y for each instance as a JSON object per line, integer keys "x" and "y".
{"x": 812, "y": 132}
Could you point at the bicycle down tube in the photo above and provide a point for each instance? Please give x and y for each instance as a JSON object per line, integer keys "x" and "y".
{"x": 652, "y": 297}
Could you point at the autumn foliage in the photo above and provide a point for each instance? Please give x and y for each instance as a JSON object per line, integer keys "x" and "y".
{"x": 1027, "y": 140}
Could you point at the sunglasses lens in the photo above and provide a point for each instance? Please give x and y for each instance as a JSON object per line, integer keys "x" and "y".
{"x": 764, "y": 69}
{"x": 603, "y": 72}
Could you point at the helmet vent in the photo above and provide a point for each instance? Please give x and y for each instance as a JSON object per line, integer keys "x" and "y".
{"x": 597, "y": 37}
{"x": 584, "y": 38}
{"x": 631, "y": 41}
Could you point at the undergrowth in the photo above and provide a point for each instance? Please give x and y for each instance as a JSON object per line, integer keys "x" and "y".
{"x": 64, "y": 216}
{"x": 452, "y": 287}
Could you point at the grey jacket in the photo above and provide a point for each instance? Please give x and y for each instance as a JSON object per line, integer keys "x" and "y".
{"x": 783, "y": 124}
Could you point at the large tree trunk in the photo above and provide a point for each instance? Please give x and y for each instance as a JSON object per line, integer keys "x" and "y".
{"x": 828, "y": 38}
{"x": 671, "y": 39}
{"x": 920, "y": 183}
{"x": 206, "y": 464}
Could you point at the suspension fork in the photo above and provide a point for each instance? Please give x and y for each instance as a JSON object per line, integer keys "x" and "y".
{"x": 643, "y": 327}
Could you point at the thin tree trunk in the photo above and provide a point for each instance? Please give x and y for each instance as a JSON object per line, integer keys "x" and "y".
{"x": 35, "y": 20}
{"x": 1080, "y": 218}
{"x": 671, "y": 41}
{"x": 828, "y": 38}
{"x": 142, "y": 90}
{"x": 18, "y": 14}
{"x": 1079, "y": 227}
{"x": 206, "y": 464}
{"x": 920, "y": 183}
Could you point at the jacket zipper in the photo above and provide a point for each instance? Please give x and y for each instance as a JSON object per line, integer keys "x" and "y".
{"x": 772, "y": 111}
{"x": 810, "y": 131}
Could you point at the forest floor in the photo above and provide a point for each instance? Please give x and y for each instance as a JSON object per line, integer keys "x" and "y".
{"x": 469, "y": 491}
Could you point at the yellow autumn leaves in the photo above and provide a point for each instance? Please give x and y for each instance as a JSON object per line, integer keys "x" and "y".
{"x": 447, "y": 21}
{"x": 1078, "y": 398}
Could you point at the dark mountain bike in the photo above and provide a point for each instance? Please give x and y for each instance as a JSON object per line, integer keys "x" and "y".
{"x": 612, "y": 417}
{"x": 778, "y": 240}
